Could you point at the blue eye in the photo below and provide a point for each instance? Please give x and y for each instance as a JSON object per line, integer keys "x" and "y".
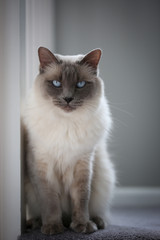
{"x": 56, "y": 83}
{"x": 81, "y": 84}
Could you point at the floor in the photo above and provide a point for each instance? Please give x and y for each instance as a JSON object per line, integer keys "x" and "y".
{"x": 126, "y": 223}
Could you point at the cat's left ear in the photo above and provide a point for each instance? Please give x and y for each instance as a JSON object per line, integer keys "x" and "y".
{"x": 46, "y": 57}
{"x": 92, "y": 58}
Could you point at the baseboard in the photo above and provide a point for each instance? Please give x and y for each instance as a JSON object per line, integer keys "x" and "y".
{"x": 136, "y": 197}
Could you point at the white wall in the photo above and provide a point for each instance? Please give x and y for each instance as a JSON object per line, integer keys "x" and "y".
{"x": 24, "y": 26}
{"x": 10, "y": 220}
{"x": 37, "y": 29}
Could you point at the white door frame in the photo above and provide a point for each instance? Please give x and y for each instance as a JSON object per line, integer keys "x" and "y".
{"x": 10, "y": 203}
{"x": 24, "y": 26}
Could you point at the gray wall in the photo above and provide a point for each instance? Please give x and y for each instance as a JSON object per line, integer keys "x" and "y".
{"x": 129, "y": 34}
{"x": 10, "y": 174}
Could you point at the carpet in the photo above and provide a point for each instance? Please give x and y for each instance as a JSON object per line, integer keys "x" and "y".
{"x": 127, "y": 224}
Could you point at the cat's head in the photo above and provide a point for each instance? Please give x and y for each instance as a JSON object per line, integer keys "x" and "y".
{"x": 69, "y": 82}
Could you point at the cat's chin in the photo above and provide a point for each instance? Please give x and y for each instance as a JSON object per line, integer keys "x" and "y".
{"x": 68, "y": 108}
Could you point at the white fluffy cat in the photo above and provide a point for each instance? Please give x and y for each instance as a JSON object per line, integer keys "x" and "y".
{"x": 67, "y": 122}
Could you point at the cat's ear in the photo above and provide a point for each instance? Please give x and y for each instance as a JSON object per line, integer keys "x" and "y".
{"x": 46, "y": 57}
{"x": 92, "y": 58}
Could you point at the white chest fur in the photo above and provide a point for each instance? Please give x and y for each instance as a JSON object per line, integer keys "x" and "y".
{"x": 61, "y": 140}
{"x": 65, "y": 137}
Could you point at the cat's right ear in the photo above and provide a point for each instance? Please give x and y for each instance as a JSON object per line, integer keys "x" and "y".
{"x": 46, "y": 57}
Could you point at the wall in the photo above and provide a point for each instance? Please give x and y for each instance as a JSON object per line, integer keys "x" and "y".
{"x": 37, "y": 27}
{"x": 10, "y": 221}
{"x": 24, "y": 26}
{"x": 129, "y": 34}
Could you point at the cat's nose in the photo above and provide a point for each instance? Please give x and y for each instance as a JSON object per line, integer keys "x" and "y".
{"x": 68, "y": 99}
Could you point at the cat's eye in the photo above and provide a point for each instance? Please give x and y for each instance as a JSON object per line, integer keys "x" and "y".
{"x": 56, "y": 83}
{"x": 81, "y": 84}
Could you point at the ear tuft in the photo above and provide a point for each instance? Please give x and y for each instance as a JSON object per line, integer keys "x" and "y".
{"x": 92, "y": 58}
{"x": 46, "y": 57}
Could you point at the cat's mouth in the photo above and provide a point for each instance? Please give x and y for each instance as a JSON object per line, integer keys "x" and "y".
{"x": 68, "y": 108}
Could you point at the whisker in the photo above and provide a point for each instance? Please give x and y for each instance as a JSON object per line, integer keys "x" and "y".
{"x": 121, "y": 110}
{"x": 119, "y": 121}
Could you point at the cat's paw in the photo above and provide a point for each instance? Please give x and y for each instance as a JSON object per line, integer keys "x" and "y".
{"x": 33, "y": 223}
{"x": 88, "y": 227}
{"x": 99, "y": 222}
{"x": 50, "y": 229}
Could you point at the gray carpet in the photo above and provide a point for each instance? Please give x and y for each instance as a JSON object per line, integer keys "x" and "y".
{"x": 127, "y": 223}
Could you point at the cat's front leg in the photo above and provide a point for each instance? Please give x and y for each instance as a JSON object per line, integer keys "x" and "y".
{"x": 80, "y": 194}
{"x": 47, "y": 192}
{"x": 51, "y": 214}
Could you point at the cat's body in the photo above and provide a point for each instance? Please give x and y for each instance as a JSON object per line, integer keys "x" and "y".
{"x": 68, "y": 168}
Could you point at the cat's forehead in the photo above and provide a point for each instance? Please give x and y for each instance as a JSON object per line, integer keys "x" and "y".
{"x": 70, "y": 71}
{"x": 69, "y": 68}
{"x": 64, "y": 70}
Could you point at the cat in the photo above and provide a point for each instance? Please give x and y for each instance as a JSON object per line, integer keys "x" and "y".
{"x": 67, "y": 122}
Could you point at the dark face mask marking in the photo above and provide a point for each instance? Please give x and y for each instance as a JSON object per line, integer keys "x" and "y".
{"x": 65, "y": 92}
{"x": 68, "y": 96}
